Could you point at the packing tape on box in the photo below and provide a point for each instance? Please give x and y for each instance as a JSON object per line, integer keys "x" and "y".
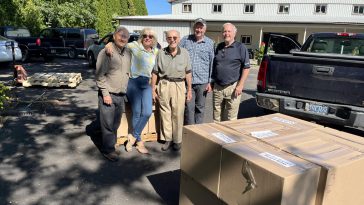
{"x": 248, "y": 175}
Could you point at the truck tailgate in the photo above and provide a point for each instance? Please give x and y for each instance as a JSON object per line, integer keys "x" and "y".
{"x": 315, "y": 78}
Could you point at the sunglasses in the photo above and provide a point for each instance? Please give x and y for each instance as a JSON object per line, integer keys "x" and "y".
{"x": 148, "y": 36}
{"x": 172, "y": 37}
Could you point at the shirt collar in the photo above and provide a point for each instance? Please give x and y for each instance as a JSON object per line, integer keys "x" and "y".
{"x": 166, "y": 50}
{"x": 119, "y": 50}
{"x": 193, "y": 37}
{"x": 231, "y": 45}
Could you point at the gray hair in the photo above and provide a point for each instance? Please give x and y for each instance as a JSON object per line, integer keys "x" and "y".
{"x": 123, "y": 30}
{"x": 151, "y": 31}
{"x": 230, "y": 24}
{"x": 178, "y": 34}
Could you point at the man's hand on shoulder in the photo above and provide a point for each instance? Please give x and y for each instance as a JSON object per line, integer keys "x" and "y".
{"x": 108, "y": 49}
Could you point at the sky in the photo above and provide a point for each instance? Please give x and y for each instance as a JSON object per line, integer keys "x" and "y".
{"x": 158, "y": 7}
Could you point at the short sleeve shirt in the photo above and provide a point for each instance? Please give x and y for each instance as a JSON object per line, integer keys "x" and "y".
{"x": 172, "y": 66}
{"x": 229, "y": 62}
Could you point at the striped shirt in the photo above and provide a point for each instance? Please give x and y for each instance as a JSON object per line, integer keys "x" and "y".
{"x": 201, "y": 56}
{"x": 142, "y": 61}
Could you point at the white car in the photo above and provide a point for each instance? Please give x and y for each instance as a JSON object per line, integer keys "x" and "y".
{"x": 6, "y": 51}
{"x": 94, "y": 49}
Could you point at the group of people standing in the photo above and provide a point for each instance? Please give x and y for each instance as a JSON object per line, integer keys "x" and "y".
{"x": 178, "y": 77}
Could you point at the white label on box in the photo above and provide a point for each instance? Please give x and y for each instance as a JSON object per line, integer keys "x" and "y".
{"x": 277, "y": 159}
{"x": 283, "y": 120}
{"x": 263, "y": 134}
{"x": 223, "y": 137}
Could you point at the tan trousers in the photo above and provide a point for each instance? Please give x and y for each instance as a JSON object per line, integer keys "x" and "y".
{"x": 171, "y": 106}
{"x": 226, "y": 105}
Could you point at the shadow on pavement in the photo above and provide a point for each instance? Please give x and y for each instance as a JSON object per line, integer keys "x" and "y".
{"x": 167, "y": 185}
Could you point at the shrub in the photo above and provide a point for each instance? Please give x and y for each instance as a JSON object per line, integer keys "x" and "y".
{"x": 4, "y": 95}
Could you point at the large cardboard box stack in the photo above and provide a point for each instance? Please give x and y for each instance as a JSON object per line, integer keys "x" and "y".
{"x": 202, "y": 149}
{"x": 342, "y": 163}
{"x": 274, "y": 159}
{"x": 257, "y": 174}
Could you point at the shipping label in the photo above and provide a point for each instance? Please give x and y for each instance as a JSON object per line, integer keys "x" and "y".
{"x": 263, "y": 134}
{"x": 278, "y": 119}
{"x": 277, "y": 159}
{"x": 221, "y": 136}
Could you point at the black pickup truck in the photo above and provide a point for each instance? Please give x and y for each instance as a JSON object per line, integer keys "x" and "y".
{"x": 323, "y": 80}
{"x": 51, "y": 41}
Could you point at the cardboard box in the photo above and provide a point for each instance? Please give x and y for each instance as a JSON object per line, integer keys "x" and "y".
{"x": 342, "y": 164}
{"x": 201, "y": 152}
{"x": 255, "y": 173}
{"x": 270, "y": 125}
{"x": 126, "y": 119}
{"x": 353, "y": 141}
{"x": 193, "y": 193}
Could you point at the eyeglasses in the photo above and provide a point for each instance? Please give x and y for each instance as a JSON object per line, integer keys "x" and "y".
{"x": 172, "y": 37}
{"x": 148, "y": 36}
{"x": 124, "y": 36}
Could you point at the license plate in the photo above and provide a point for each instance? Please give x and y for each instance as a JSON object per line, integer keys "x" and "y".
{"x": 53, "y": 51}
{"x": 315, "y": 108}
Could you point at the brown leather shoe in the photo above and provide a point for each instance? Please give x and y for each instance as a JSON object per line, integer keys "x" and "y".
{"x": 112, "y": 156}
{"x": 130, "y": 143}
{"x": 141, "y": 148}
{"x": 166, "y": 146}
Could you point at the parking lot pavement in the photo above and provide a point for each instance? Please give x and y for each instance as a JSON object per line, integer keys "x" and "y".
{"x": 48, "y": 158}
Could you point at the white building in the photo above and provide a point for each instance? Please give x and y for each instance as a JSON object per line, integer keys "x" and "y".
{"x": 255, "y": 18}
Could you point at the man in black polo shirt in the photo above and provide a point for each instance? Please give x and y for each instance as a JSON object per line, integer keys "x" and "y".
{"x": 230, "y": 70}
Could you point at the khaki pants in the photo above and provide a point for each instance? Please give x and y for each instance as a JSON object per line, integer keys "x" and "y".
{"x": 226, "y": 105}
{"x": 171, "y": 106}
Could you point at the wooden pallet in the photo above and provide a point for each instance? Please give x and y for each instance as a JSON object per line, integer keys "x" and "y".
{"x": 53, "y": 80}
{"x": 147, "y": 137}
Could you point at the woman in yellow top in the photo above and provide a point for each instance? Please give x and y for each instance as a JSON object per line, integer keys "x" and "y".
{"x": 139, "y": 91}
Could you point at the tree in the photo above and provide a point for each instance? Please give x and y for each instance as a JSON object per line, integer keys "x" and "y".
{"x": 141, "y": 8}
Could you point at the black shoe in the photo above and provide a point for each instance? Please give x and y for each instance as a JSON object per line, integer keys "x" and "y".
{"x": 176, "y": 146}
{"x": 166, "y": 145}
{"x": 112, "y": 156}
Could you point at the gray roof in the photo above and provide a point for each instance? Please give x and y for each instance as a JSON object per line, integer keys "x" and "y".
{"x": 252, "y": 18}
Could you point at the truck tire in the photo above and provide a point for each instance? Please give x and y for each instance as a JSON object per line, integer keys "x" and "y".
{"x": 72, "y": 53}
{"x": 91, "y": 60}
{"x": 25, "y": 54}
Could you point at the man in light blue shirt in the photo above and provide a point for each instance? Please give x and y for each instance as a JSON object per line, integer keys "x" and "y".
{"x": 201, "y": 51}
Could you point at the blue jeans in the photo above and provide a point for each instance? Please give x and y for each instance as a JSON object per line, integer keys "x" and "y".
{"x": 139, "y": 95}
{"x": 195, "y": 108}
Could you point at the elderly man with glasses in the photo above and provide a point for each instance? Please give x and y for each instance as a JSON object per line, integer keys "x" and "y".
{"x": 173, "y": 70}
{"x": 112, "y": 76}
{"x": 230, "y": 70}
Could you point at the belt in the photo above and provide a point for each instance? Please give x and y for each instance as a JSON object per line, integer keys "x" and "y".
{"x": 226, "y": 85}
{"x": 117, "y": 94}
{"x": 174, "y": 79}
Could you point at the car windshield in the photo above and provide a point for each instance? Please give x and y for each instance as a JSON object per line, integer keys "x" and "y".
{"x": 19, "y": 32}
{"x": 338, "y": 45}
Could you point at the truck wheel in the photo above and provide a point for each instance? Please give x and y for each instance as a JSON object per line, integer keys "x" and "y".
{"x": 72, "y": 53}
{"x": 25, "y": 54}
{"x": 91, "y": 60}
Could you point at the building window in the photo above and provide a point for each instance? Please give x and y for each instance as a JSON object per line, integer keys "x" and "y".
{"x": 246, "y": 39}
{"x": 358, "y": 9}
{"x": 186, "y": 8}
{"x": 249, "y": 8}
{"x": 320, "y": 9}
{"x": 217, "y": 8}
{"x": 283, "y": 8}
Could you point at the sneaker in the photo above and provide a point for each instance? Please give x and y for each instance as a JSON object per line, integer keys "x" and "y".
{"x": 176, "y": 146}
{"x": 141, "y": 148}
{"x": 130, "y": 143}
{"x": 166, "y": 145}
{"x": 112, "y": 156}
